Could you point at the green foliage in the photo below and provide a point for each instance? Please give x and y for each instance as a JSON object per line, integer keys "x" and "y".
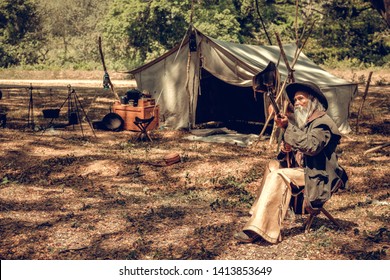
{"x": 141, "y": 31}
{"x": 53, "y": 34}
{"x": 236, "y": 191}
{"x": 218, "y": 19}
{"x": 4, "y": 181}
{"x": 19, "y": 32}
{"x": 346, "y": 63}
{"x": 72, "y": 26}
{"x": 350, "y": 30}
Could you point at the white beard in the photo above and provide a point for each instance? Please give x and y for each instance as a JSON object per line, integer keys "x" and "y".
{"x": 301, "y": 114}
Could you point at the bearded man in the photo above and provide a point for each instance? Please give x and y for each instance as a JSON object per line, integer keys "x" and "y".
{"x": 312, "y": 139}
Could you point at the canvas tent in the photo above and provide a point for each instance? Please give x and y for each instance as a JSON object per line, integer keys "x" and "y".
{"x": 204, "y": 79}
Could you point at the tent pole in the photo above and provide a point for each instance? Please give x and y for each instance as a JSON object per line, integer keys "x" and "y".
{"x": 182, "y": 41}
{"x": 188, "y": 90}
{"x": 296, "y": 20}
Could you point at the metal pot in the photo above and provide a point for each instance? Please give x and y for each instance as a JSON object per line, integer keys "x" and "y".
{"x": 113, "y": 122}
{"x": 51, "y": 113}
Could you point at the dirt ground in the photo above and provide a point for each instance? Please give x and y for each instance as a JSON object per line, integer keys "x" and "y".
{"x": 66, "y": 193}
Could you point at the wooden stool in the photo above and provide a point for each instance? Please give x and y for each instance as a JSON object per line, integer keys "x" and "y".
{"x": 315, "y": 212}
{"x": 143, "y": 124}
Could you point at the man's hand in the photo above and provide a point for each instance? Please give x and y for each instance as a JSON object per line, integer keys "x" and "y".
{"x": 281, "y": 121}
{"x": 286, "y": 148}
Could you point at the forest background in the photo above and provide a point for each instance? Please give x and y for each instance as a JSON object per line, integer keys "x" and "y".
{"x": 54, "y": 35}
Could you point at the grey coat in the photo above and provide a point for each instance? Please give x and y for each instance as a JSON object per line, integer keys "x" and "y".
{"x": 317, "y": 142}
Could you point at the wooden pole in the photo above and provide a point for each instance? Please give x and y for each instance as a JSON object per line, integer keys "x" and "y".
{"x": 105, "y": 69}
{"x": 262, "y": 22}
{"x": 188, "y": 90}
{"x": 101, "y": 54}
{"x": 296, "y": 56}
{"x": 290, "y": 79}
{"x": 363, "y": 100}
{"x": 296, "y": 24}
{"x": 290, "y": 71}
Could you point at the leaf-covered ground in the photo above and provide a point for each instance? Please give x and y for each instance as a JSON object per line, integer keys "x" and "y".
{"x": 66, "y": 194}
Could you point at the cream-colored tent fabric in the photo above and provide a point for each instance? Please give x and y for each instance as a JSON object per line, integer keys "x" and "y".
{"x": 174, "y": 79}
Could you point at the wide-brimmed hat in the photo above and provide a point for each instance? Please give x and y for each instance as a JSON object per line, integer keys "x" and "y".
{"x": 308, "y": 87}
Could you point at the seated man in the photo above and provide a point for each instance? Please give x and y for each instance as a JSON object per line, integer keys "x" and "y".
{"x": 314, "y": 138}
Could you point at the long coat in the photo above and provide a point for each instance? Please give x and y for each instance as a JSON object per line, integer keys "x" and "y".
{"x": 317, "y": 142}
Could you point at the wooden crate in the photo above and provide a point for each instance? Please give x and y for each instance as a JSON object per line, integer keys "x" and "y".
{"x": 128, "y": 114}
{"x": 144, "y": 102}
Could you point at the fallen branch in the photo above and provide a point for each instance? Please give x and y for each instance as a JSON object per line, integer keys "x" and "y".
{"x": 376, "y": 148}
